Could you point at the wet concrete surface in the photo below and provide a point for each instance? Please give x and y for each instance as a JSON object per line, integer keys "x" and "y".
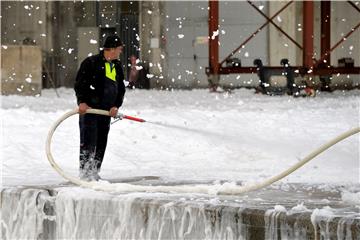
{"x": 281, "y": 211}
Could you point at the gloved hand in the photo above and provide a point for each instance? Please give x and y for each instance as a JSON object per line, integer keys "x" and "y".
{"x": 83, "y": 107}
{"x": 113, "y": 111}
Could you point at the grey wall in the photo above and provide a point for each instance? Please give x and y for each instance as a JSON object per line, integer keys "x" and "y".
{"x": 21, "y": 70}
{"x": 20, "y": 20}
{"x": 344, "y": 18}
{"x": 184, "y": 22}
{"x": 51, "y": 26}
{"x": 88, "y": 42}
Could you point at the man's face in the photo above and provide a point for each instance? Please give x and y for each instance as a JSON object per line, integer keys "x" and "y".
{"x": 117, "y": 51}
{"x": 133, "y": 60}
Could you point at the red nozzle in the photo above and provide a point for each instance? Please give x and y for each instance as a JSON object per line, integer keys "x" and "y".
{"x": 134, "y": 118}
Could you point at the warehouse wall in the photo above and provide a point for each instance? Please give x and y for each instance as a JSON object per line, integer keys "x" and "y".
{"x": 173, "y": 36}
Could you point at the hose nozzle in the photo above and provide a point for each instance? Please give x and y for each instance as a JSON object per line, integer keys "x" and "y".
{"x": 120, "y": 116}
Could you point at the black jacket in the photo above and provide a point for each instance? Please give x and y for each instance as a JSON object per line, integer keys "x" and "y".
{"x": 94, "y": 88}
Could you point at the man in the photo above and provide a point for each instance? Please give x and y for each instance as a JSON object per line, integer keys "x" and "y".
{"x": 133, "y": 72}
{"x": 137, "y": 74}
{"x": 99, "y": 84}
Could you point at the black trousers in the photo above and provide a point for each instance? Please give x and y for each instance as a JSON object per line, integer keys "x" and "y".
{"x": 94, "y": 131}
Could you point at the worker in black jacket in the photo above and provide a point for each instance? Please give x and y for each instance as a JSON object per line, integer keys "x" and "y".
{"x": 99, "y": 84}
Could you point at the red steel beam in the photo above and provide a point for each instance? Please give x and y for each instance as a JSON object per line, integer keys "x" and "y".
{"x": 213, "y": 40}
{"x": 297, "y": 69}
{"x": 308, "y": 33}
{"x": 254, "y": 33}
{"x": 277, "y": 27}
{"x": 336, "y": 70}
{"x": 229, "y": 70}
{"x": 338, "y": 43}
{"x": 325, "y": 30}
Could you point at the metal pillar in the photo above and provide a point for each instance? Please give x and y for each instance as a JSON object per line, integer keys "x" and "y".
{"x": 308, "y": 34}
{"x": 213, "y": 43}
{"x": 325, "y": 31}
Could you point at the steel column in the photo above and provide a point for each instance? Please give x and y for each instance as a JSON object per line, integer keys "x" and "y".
{"x": 325, "y": 31}
{"x": 214, "y": 40}
{"x": 308, "y": 34}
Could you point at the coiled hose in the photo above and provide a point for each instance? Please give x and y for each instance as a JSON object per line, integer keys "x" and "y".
{"x": 225, "y": 189}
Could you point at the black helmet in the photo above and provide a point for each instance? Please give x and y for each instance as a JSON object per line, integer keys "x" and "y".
{"x": 112, "y": 41}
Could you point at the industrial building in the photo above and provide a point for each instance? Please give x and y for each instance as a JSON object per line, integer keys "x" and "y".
{"x": 174, "y": 39}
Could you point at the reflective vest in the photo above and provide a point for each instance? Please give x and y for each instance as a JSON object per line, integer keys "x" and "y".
{"x": 110, "y": 73}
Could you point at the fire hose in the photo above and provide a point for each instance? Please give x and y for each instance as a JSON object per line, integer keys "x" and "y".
{"x": 224, "y": 189}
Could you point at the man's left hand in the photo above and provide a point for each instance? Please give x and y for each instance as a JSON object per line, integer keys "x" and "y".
{"x": 113, "y": 111}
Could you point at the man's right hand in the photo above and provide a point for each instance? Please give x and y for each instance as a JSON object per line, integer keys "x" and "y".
{"x": 83, "y": 107}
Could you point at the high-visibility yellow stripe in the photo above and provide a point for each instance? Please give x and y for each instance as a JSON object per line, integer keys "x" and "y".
{"x": 108, "y": 73}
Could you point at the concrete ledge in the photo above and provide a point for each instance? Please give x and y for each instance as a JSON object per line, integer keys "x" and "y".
{"x": 21, "y": 70}
{"x": 69, "y": 212}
